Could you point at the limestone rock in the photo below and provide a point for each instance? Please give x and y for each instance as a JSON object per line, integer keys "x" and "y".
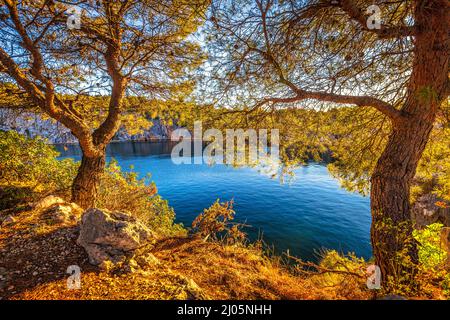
{"x": 112, "y": 236}
{"x": 425, "y": 211}
{"x": 47, "y": 202}
{"x": 64, "y": 213}
{"x": 33, "y": 124}
{"x": 57, "y": 210}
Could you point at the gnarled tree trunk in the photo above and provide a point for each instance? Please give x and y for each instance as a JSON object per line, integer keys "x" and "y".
{"x": 391, "y": 233}
{"x": 394, "y": 249}
{"x": 86, "y": 183}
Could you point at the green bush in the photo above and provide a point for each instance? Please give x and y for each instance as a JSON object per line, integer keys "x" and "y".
{"x": 432, "y": 258}
{"x": 14, "y": 197}
{"x": 432, "y": 255}
{"x": 29, "y": 168}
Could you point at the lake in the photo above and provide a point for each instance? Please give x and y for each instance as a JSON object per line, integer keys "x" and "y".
{"x": 304, "y": 215}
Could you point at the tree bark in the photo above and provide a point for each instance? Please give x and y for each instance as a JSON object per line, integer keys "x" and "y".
{"x": 394, "y": 249}
{"x": 86, "y": 183}
{"x": 393, "y": 246}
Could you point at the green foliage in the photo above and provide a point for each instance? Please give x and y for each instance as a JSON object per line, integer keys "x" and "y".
{"x": 356, "y": 138}
{"x": 14, "y": 196}
{"x": 432, "y": 255}
{"x": 433, "y": 173}
{"x": 359, "y": 136}
{"x": 432, "y": 258}
{"x": 402, "y": 278}
{"x": 429, "y": 273}
{"x": 31, "y": 163}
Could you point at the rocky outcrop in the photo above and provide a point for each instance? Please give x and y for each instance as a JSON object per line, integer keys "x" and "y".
{"x": 32, "y": 124}
{"x": 425, "y": 211}
{"x": 158, "y": 131}
{"x": 47, "y": 202}
{"x": 112, "y": 237}
{"x": 57, "y": 210}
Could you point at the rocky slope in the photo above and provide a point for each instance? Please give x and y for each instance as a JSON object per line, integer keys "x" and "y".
{"x": 120, "y": 259}
{"x": 45, "y": 245}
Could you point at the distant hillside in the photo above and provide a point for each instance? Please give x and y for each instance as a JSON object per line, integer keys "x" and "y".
{"x": 32, "y": 124}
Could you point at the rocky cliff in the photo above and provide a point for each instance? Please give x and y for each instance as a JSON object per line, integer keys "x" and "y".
{"x": 32, "y": 124}
{"x": 425, "y": 211}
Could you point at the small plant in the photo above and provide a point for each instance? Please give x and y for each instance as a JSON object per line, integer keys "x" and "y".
{"x": 432, "y": 258}
{"x": 216, "y": 222}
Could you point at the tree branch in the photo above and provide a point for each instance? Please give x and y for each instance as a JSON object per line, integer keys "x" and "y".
{"x": 361, "y": 101}
{"x": 300, "y": 94}
{"x": 104, "y": 133}
{"x": 384, "y": 32}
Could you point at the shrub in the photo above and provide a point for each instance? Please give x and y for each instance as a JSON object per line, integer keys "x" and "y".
{"x": 432, "y": 255}
{"x": 216, "y": 221}
{"x": 432, "y": 259}
{"x": 29, "y": 168}
{"x": 13, "y": 197}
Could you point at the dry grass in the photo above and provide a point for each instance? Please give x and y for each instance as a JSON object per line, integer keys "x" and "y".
{"x": 35, "y": 253}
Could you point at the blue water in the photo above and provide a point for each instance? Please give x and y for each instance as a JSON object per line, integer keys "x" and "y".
{"x": 305, "y": 215}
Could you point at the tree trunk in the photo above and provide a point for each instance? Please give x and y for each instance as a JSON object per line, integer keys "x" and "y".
{"x": 86, "y": 183}
{"x": 393, "y": 246}
{"x": 394, "y": 249}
